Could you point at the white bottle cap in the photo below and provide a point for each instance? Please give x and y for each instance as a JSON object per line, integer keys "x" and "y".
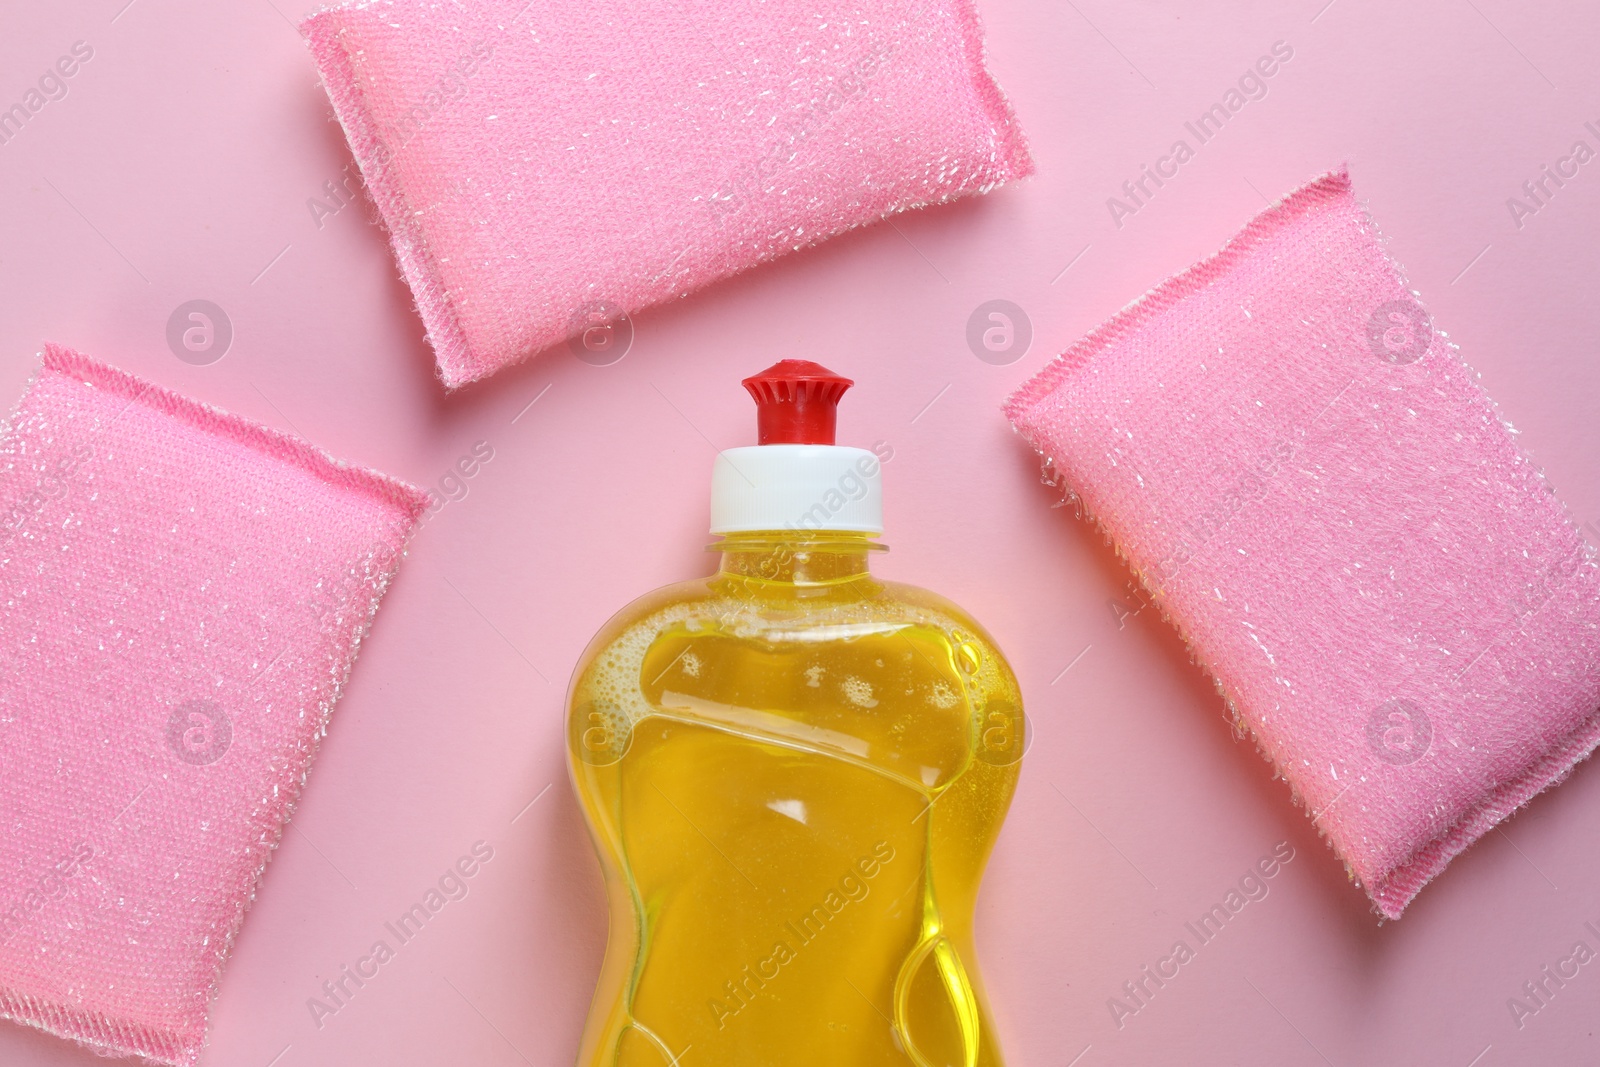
{"x": 796, "y": 487}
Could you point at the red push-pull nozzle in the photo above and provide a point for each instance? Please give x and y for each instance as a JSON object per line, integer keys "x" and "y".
{"x": 796, "y": 402}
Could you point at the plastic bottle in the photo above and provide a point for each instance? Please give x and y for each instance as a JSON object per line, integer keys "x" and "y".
{"x": 793, "y": 774}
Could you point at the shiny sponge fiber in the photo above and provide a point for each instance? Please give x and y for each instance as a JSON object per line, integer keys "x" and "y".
{"x": 184, "y": 593}
{"x": 545, "y": 168}
{"x": 1314, "y": 489}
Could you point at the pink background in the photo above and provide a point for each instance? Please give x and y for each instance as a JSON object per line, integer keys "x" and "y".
{"x": 179, "y": 166}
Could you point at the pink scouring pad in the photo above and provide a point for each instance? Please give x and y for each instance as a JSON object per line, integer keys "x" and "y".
{"x": 184, "y": 593}
{"x": 546, "y": 166}
{"x": 1315, "y": 490}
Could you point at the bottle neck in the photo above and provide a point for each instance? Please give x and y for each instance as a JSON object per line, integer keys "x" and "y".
{"x": 797, "y": 557}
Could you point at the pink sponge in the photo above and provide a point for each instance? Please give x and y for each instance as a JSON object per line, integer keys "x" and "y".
{"x": 544, "y": 166}
{"x": 184, "y": 593}
{"x": 1317, "y": 493}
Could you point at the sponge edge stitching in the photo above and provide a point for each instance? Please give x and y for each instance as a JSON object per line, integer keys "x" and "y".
{"x": 1316, "y": 193}
{"x": 457, "y": 363}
